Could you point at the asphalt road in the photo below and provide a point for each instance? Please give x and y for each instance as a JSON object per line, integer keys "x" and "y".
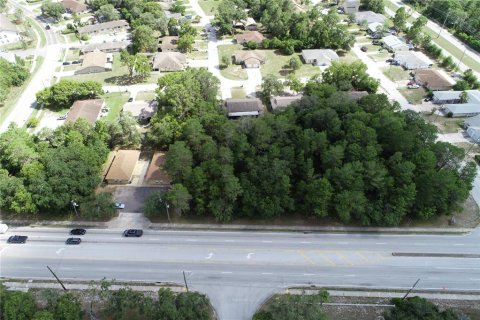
{"x": 238, "y": 270}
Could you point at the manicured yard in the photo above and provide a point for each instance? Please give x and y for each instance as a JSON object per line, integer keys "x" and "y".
{"x": 396, "y": 73}
{"x": 275, "y": 64}
{"x": 238, "y": 93}
{"x": 146, "y": 95}
{"x": 233, "y": 72}
{"x": 444, "y": 124}
{"x": 115, "y": 101}
{"x": 380, "y": 56}
{"x": 414, "y": 96}
{"x": 197, "y": 55}
{"x": 73, "y": 54}
{"x": 347, "y": 57}
{"x": 209, "y": 6}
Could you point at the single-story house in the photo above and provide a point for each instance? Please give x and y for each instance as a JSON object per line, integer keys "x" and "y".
{"x": 373, "y": 29}
{"x": 169, "y": 61}
{"x": 113, "y": 46}
{"x": 453, "y": 97}
{"x": 411, "y": 60}
{"x": 9, "y": 56}
{"x": 319, "y": 57}
{"x": 351, "y": 6}
{"x": 462, "y": 109}
{"x": 87, "y": 109}
{"x": 168, "y": 44}
{"x": 432, "y": 80}
{"x": 141, "y": 110}
{"x": 472, "y": 122}
{"x": 250, "y": 58}
{"x": 73, "y": 6}
{"x": 474, "y": 132}
{"x": 248, "y": 24}
{"x": 243, "y": 107}
{"x": 96, "y": 61}
{"x": 251, "y": 36}
{"x": 156, "y": 175}
{"x": 279, "y": 102}
{"x": 105, "y": 27}
{"x": 8, "y": 31}
{"x": 369, "y": 17}
{"x": 121, "y": 168}
{"x": 394, "y": 44}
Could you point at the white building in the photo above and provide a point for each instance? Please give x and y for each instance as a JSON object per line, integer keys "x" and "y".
{"x": 8, "y": 31}
{"x": 319, "y": 57}
{"x": 393, "y": 44}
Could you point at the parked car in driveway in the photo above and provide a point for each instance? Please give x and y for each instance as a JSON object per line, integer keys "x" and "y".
{"x": 66, "y": 63}
{"x": 17, "y": 239}
{"x": 364, "y": 49}
{"x": 119, "y": 205}
{"x": 133, "y": 233}
{"x": 75, "y": 62}
{"x": 130, "y": 99}
{"x": 78, "y": 232}
{"x": 413, "y": 86}
{"x": 74, "y": 241}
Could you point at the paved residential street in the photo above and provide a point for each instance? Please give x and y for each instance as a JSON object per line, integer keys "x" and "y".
{"x": 238, "y": 270}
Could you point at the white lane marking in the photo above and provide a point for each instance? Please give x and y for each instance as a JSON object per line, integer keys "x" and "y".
{"x": 191, "y": 240}
{"x": 2, "y": 249}
{"x": 154, "y": 239}
{"x": 210, "y": 255}
{"x": 226, "y": 272}
{"x": 342, "y": 242}
{"x": 350, "y": 275}
{"x": 228, "y": 240}
{"x": 59, "y": 250}
{"x": 306, "y": 242}
{"x": 267, "y": 273}
{"x": 308, "y": 274}
{"x": 380, "y": 243}
{"x": 447, "y": 268}
{"x": 267, "y": 241}
{"x": 459, "y": 244}
{"x": 250, "y": 255}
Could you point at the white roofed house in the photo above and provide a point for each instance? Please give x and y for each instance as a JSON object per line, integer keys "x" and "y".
{"x": 451, "y": 102}
{"x": 411, "y": 60}
{"x": 374, "y": 27}
{"x": 319, "y": 57}
{"x": 473, "y": 127}
{"x": 369, "y": 17}
{"x": 394, "y": 44}
{"x": 8, "y": 31}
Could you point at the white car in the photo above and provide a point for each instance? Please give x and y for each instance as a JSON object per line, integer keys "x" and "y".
{"x": 119, "y": 205}
{"x": 413, "y": 86}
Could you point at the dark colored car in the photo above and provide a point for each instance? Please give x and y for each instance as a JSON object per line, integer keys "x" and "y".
{"x": 130, "y": 99}
{"x": 364, "y": 49}
{"x": 73, "y": 241}
{"x": 78, "y": 232}
{"x": 75, "y": 62}
{"x": 66, "y": 63}
{"x": 133, "y": 233}
{"x": 17, "y": 239}
{"x": 47, "y": 27}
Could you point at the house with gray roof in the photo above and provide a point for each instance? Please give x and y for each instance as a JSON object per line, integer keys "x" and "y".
{"x": 472, "y": 125}
{"x": 369, "y": 17}
{"x": 243, "y": 107}
{"x": 411, "y": 60}
{"x": 351, "y": 6}
{"x": 105, "y": 27}
{"x": 394, "y": 44}
{"x": 451, "y": 102}
{"x": 279, "y": 102}
{"x": 319, "y": 57}
{"x": 113, "y": 46}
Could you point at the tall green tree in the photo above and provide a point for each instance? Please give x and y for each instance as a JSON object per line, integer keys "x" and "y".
{"x": 400, "y": 19}
{"x": 52, "y": 9}
{"x": 144, "y": 40}
{"x": 377, "y": 6}
{"x": 107, "y": 13}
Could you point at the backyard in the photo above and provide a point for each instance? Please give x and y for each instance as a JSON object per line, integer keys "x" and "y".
{"x": 115, "y": 101}
{"x": 233, "y": 71}
{"x": 275, "y": 64}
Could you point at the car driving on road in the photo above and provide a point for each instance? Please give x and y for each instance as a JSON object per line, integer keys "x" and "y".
{"x": 78, "y": 232}
{"x": 133, "y": 233}
{"x": 17, "y": 239}
{"x": 73, "y": 241}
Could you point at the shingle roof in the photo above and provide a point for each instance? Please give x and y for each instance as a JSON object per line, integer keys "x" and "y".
{"x": 96, "y": 58}
{"x": 73, "y": 5}
{"x": 103, "y": 26}
{"x": 412, "y": 59}
{"x": 321, "y": 56}
{"x": 432, "y": 79}
{"x": 156, "y": 174}
{"x": 235, "y": 106}
{"x": 169, "y": 61}
{"x": 393, "y": 41}
{"x": 122, "y": 166}
{"x": 244, "y": 56}
{"x": 254, "y": 36}
{"x": 141, "y": 109}
{"x": 473, "y": 121}
{"x": 88, "y": 109}
{"x": 105, "y": 46}
{"x": 278, "y": 102}
{"x": 169, "y": 42}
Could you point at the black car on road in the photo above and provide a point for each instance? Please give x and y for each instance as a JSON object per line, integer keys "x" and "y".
{"x": 17, "y": 239}
{"x": 133, "y": 233}
{"x": 73, "y": 241}
{"x": 78, "y": 232}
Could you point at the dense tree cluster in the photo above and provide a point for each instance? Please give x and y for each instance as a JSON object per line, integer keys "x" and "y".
{"x": 377, "y": 6}
{"x": 12, "y": 75}
{"x": 52, "y": 9}
{"x": 290, "y": 30}
{"x": 417, "y": 308}
{"x": 64, "y": 93}
{"x": 294, "y": 307}
{"x": 326, "y": 156}
{"x": 347, "y": 77}
{"x": 45, "y": 172}
{"x": 460, "y": 15}
{"x": 469, "y": 82}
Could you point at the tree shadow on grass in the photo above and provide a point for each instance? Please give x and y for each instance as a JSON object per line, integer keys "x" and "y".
{"x": 125, "y": 80}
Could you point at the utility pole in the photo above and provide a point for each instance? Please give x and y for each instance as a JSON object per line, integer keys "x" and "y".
{"x": 168, "y": 214}
{"x": 185, "y": 280}
{"x": 65, "y": 289}
{"x": 443, "y": 25}
{"x": 409, "y": 290}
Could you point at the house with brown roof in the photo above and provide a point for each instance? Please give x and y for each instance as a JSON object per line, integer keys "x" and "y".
{"x": 250, "y": 58}
{"x": 247, "y": 24}
{"x": 96, "y": 61}
{"x": 432, "y": 80}
{"x": 73, "y": 6}
{"x": 87, "y": 109}
{"x": 279, "y": 102}
{"x": 251, "y": 36}
{"x": 156, "y": 175}
{"x": 169, "y": 61}
{"x": 243, "y": 107}
{"x": 121, "y": 168}
{"x": 105, "y": 27}
{"x": 168, "y": 44}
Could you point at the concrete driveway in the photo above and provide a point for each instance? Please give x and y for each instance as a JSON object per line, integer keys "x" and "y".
{"x": 133, "y": 197}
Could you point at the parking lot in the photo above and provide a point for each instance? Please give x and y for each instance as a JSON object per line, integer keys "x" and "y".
{"x": 133, "y": 197}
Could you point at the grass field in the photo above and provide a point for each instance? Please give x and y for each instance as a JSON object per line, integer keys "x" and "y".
{"x": 414, "y": 96}
{"x": 396, "y": 73}
{"x": 209, "y": 6}
{"x": 444, "y": 124}
{"x": 275, "y": 64}
{"x": 232, "y": 72}
{"x": 115, "y": 101}
{"x": 238, "y": 93}
{"x": 73, "y": 54}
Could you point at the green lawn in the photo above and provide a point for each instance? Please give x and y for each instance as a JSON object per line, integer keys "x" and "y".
{"x": 444, "y": 124}
{"x": 380, "y": 56}
{"x": 197, "y": 55}
{"x": 414, "y": 96}
{"x": 73, "y": 54}
{"x": 275, "y": 64}
{"x": 233, "y": 72}
{"x": 115, "y": 101}
{"x": 396, "y": 73}
{"x": 347, "y": 57}
{"x": 209, "y": 6}
{"x": 238, "y": 93}
{"x": 146, "y": 95}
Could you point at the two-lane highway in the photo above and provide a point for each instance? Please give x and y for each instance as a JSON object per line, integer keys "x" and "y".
{"x": 246, "y": 267}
